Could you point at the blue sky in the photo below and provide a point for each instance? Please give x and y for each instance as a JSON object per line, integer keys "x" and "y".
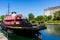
{"x": 27, "y": 6}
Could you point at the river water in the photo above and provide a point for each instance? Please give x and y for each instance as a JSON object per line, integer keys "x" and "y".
{"x": 51, "y": 33}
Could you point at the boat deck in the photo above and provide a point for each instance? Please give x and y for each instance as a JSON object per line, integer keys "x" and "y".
{"x": 29, "y": 28}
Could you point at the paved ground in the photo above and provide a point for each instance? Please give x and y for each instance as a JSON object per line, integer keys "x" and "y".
{"x": 2, "y": 37}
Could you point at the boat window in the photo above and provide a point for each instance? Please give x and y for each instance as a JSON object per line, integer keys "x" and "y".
{"x": 18, "y": 20}
{"x": 9, "y": 20}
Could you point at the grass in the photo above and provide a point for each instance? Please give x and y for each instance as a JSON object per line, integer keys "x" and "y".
{"x": 53, "y": 21}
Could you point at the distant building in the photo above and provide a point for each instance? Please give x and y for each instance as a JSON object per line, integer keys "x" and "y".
{"x": 51, "y": 11}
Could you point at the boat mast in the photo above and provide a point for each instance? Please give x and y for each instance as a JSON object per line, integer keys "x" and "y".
{"x": 8, "y": 8}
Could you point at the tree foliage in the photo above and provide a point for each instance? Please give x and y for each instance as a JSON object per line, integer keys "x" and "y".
{"x": 49, "y": 17}
{"x": 56, "y": 15}
{"x": 2, "y": 17}
{"x": 39, "y": 18}
{"x": 45, "y": 18}
{"x": 30, "y": 16}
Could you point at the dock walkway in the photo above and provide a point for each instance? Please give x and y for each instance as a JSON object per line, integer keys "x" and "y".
{"x": 2, "y": 37}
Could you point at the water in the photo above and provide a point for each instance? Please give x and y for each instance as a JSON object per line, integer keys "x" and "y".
{"x": 51, "y": 33}
{"x": 16, "y": 37}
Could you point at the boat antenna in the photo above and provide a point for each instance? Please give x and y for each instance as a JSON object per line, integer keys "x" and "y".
{"x": 8, "y": 8}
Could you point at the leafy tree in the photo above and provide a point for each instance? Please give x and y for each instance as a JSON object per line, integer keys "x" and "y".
{"x": 2, "y": 17}
{"x": 56, "y": 15}
{"x": 30, "y": 16}
{"x": 49, "y": 17}
{"x": 33, "y": 20}
{"x": 39, "y": 18}
{"x": 45, "y": 18}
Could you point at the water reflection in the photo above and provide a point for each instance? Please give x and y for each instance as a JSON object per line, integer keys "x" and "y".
{"x": 53, "y": 29}
{"x": 51, "y": 33}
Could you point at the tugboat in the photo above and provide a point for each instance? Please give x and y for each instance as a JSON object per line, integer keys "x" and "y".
{"x": 15, "y": 23}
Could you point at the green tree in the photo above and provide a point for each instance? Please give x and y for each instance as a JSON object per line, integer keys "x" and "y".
{"x": 2, "y": 17}
{"x": 56, "y": 14}
{"x": 39, "y": 18}
{"x": 45, "y": 18}
{"x": 49, "y": 17}
{"x": 31, "y": 16}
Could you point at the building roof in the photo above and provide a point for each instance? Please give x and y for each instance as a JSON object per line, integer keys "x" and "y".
{"x": 51, "y": 8}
